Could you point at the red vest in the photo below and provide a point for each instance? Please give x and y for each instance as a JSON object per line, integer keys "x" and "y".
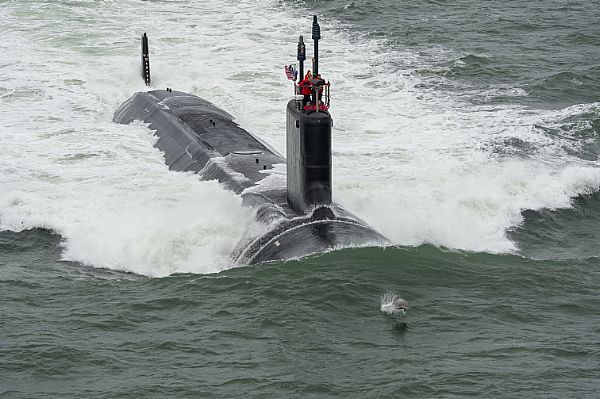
{"x": 305, "y": 87}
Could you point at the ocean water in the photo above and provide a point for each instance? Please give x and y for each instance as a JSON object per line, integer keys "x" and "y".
{"x": 467, "y": 132}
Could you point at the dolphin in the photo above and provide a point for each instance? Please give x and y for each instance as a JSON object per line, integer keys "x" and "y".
{"x": 397, "y": 306}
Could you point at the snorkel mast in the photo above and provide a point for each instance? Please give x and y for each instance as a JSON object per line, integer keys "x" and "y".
{"x": 316, "y": 35}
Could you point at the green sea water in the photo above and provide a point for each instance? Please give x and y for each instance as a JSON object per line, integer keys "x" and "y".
{"x": 479, "y": 325}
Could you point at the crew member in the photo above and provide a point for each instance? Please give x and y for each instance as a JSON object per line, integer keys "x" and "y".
{"x": 306, "y": 88}
{"x": 318, "y": 82}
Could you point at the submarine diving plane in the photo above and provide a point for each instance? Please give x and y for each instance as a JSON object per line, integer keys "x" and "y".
{"x": 300, "y": 218}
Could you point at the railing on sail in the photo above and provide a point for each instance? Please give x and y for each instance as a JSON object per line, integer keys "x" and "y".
{"x": 320, "y": 94}
{"x": 321, "y": 98}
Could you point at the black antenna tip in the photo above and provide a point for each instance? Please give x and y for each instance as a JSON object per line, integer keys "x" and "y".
{"x": 316, "y": 29}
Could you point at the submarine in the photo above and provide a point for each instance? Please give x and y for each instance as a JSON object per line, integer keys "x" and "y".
{"x": 297, "y": 215}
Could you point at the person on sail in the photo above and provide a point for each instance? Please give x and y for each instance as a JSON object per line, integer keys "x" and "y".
{"x": 318, "y": 82}
{"x": 306, "y": 88}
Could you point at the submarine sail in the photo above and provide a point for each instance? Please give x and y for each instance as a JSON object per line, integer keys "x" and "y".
{"x": 299, "y": 217}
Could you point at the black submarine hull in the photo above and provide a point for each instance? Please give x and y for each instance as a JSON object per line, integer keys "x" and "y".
{"x": 197, "y": 136}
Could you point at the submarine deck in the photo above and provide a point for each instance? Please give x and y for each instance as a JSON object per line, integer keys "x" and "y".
{"x": 197, "y": 136}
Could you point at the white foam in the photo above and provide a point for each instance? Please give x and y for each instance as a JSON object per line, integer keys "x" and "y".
{"x": 222, "y": 164}
{"x": 275, "y": 179}
{"x": 122, "y": 208}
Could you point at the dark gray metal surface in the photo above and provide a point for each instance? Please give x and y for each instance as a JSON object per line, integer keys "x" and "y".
{"x": 309, "y": 169}
{"x": 199, "y": 137}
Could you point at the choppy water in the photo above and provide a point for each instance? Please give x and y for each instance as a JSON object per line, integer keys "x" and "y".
{"x": 467, "y": 132}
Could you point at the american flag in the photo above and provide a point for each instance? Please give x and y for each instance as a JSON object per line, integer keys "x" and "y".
{"x": 290, "y": 72}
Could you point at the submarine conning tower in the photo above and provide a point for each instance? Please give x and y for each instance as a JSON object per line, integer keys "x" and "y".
{"x": 308, "y": 135}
